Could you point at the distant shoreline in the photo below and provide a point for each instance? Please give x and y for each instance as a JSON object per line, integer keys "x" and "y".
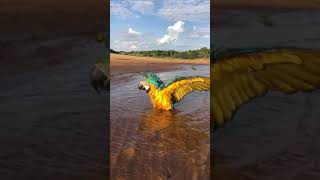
{"x": 125, "y": 64}
{"x": 201, "y": 53}
{"x": 145, "y": 59}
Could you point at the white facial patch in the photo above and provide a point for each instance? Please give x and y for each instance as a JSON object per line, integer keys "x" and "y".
{"x": 145, "y": 85}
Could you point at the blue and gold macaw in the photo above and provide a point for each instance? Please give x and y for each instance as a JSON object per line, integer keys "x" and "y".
{"x": 239, "y": 78}
{"x": 164, "y": 96}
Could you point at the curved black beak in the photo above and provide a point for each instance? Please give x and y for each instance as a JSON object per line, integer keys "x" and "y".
{"x": 141, "y": 87}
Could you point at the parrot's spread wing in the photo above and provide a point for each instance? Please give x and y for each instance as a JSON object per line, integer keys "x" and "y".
{"x": 182, "y": 86}
{"x": 238, "y": 79}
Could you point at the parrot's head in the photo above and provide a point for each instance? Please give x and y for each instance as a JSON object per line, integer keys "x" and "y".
{"x": 150, "y": 79}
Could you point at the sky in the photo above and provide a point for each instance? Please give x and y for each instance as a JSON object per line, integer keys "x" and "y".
{"x": 138, "y": 25}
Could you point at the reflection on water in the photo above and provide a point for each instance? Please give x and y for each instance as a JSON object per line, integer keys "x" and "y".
{"x": 172, "y": 130}
{"x": 150, "y": 144}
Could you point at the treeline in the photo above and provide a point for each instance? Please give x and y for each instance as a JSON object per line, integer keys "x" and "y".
{"x": 190, "y": 54}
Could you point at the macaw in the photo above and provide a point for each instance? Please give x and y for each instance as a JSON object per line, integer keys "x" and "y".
{"x": 240, "y": 77}
{"x": 165, "y": 96}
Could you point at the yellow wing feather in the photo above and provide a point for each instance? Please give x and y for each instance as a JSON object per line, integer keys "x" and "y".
{"x": 182, "y": 87}
{"x": 237, "y": 80}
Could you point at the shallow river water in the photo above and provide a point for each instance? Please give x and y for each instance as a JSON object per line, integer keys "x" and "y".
{"x": 151, "y": 144}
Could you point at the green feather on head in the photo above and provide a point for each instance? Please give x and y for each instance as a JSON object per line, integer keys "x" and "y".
{"x": 153, "y": 79}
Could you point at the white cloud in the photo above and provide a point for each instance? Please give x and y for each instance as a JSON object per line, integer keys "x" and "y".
{"x": 126, "y": 45}
{"x": 186, "y": 10}
{"x": 131, "y": 40}
{"x": 173, "y": 10}
{"x": 131, "y": 8}
{"x": 132, "y": 32}
{"x": 173, "y": 33}
{"x": 200, "y": 32}
{"x": 143, "y": 6}
{"x": 133, "y": 47}
{"x": 120, "y": 10}
{"x": 129, "y": 45}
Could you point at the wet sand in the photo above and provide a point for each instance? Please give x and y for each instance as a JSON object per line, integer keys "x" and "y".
{"x": 132, "y": 64}
{"x": 276, "y": 136}
{"x": 152, "y": 144}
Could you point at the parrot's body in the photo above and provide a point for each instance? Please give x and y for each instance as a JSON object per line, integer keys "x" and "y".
{"x": 239, "y": 78}
{"x": 164, "y": 96}
{"x": 236, "y": 79}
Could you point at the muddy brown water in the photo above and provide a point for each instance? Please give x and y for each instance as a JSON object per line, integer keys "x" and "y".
{"x": 52, "y": 123}
{"x": 152, "y": 144}
{"x": 275, "y": 136}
